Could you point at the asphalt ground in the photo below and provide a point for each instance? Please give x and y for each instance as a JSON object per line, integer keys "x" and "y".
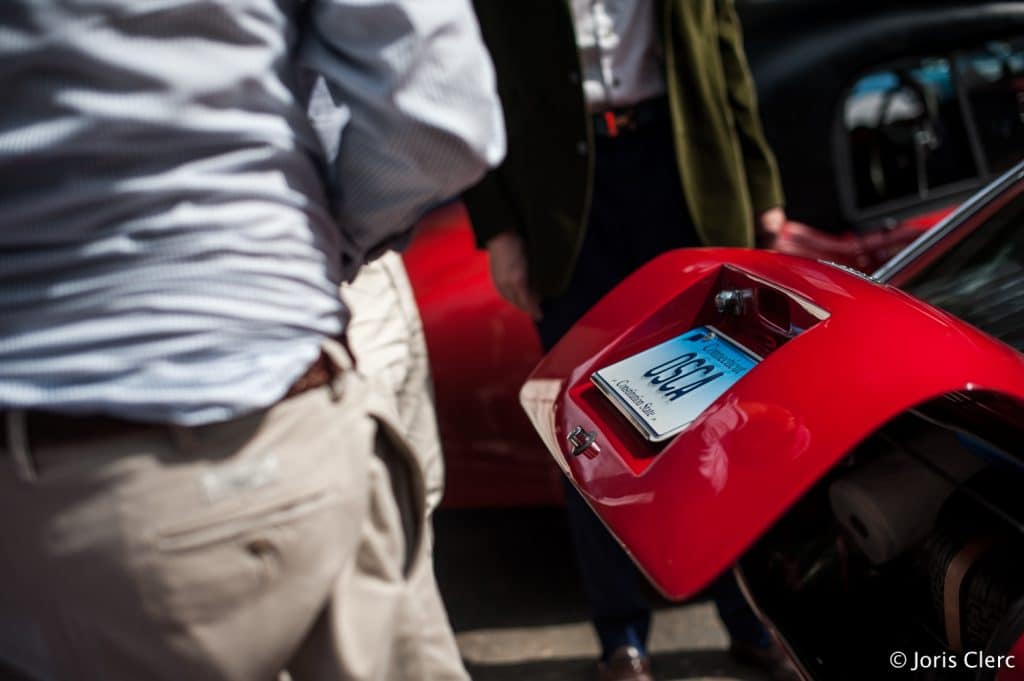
{"x": 508, "y": 579}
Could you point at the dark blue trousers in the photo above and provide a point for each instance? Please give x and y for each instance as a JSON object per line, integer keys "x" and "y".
{"x": 637, "y": 212}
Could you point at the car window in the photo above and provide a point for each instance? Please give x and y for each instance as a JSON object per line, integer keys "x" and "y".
{"x": 993, "y": 81}
{"x": 981, "y": 280}
{"x": 931, "y": 128}
{"x": 906, "y": 132}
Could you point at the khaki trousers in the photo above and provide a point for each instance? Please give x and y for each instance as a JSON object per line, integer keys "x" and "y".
{"x": 286, "y": 539}
{"x": 386, "y": 337}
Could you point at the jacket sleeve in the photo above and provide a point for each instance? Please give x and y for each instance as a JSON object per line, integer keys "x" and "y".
{"x": 759, "y": 162}
{"x": 492, "y": 209}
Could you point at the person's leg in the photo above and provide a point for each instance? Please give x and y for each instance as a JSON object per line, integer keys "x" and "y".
{"x": 749, "y": 642}
{"x": 354, "y": 634}
{"x": 425, "y": 646}
{"x": 620, "y": 610}
{"x": 384, "y": 620}
{"x": 637, "y": 212}
{"x": 386, "y": 336}
{"x": 740, "y": 621}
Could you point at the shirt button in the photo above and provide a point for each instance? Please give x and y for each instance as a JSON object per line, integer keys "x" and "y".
{"x": 616, "y": 82}
{"x": 581, "y": 147}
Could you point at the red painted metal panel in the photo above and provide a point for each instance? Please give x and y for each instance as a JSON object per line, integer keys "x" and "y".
{"x": 481, "y": 350}
{"x": 1016, "y": 671}
{"x": 687, "y": 509}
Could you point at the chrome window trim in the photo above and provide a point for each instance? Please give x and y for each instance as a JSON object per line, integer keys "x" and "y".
{"x": 957, "y": 219}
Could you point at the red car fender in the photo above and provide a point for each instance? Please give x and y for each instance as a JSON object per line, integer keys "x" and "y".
{"x": 1016, "y": 672}
{"x": 687, "y": 510}
{"x": 481, "y": 350}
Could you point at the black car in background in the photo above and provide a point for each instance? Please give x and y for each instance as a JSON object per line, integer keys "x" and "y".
{"x": 887, "y": 114}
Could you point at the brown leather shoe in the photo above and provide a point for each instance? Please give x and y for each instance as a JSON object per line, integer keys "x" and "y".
{"x": 770, "y": 659}
{"x": 625, "y": 664}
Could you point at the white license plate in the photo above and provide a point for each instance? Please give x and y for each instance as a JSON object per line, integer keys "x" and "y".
{"x": 664, "y": 388}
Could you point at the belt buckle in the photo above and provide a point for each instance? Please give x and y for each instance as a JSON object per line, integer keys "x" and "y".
{"x": 611, "y": 123}
{"x": 617, "y": 122}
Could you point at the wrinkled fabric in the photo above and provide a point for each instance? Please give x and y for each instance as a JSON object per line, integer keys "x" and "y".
{"x": 170, "y": 247}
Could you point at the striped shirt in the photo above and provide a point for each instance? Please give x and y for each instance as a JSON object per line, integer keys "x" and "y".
{"x": 172, "y": 236}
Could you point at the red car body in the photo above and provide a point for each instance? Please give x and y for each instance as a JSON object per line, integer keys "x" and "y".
{"x": 727, "y": 478}
{"x": 482, "y": 349}
{"x": 845, "y": 358}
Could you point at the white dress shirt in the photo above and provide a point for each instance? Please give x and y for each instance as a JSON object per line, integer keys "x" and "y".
{"x": 170, "y": 248}
{"x": 618, "y": 45}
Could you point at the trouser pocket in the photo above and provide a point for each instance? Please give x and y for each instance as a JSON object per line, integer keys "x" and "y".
{"x": 404, "y": 485}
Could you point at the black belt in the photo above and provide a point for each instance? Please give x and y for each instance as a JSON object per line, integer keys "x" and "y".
{"x": 44, "y": 428}
{"x": 615, "y": 121}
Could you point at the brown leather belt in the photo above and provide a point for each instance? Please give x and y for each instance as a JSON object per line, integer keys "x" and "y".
{"x": 52, "y": 429}
{"x": 320, "y": 373}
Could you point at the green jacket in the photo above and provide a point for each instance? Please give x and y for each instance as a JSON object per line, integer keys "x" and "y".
{"x": 542, "y": 189}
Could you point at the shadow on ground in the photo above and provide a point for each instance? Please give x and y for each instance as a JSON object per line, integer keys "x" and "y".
{"x": 509, "y": 580}
{"x": 507, "y": 568}
{"x": 682, "y": 666}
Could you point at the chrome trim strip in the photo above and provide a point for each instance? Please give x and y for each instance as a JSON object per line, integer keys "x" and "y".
{"x": 968, "y": 209}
